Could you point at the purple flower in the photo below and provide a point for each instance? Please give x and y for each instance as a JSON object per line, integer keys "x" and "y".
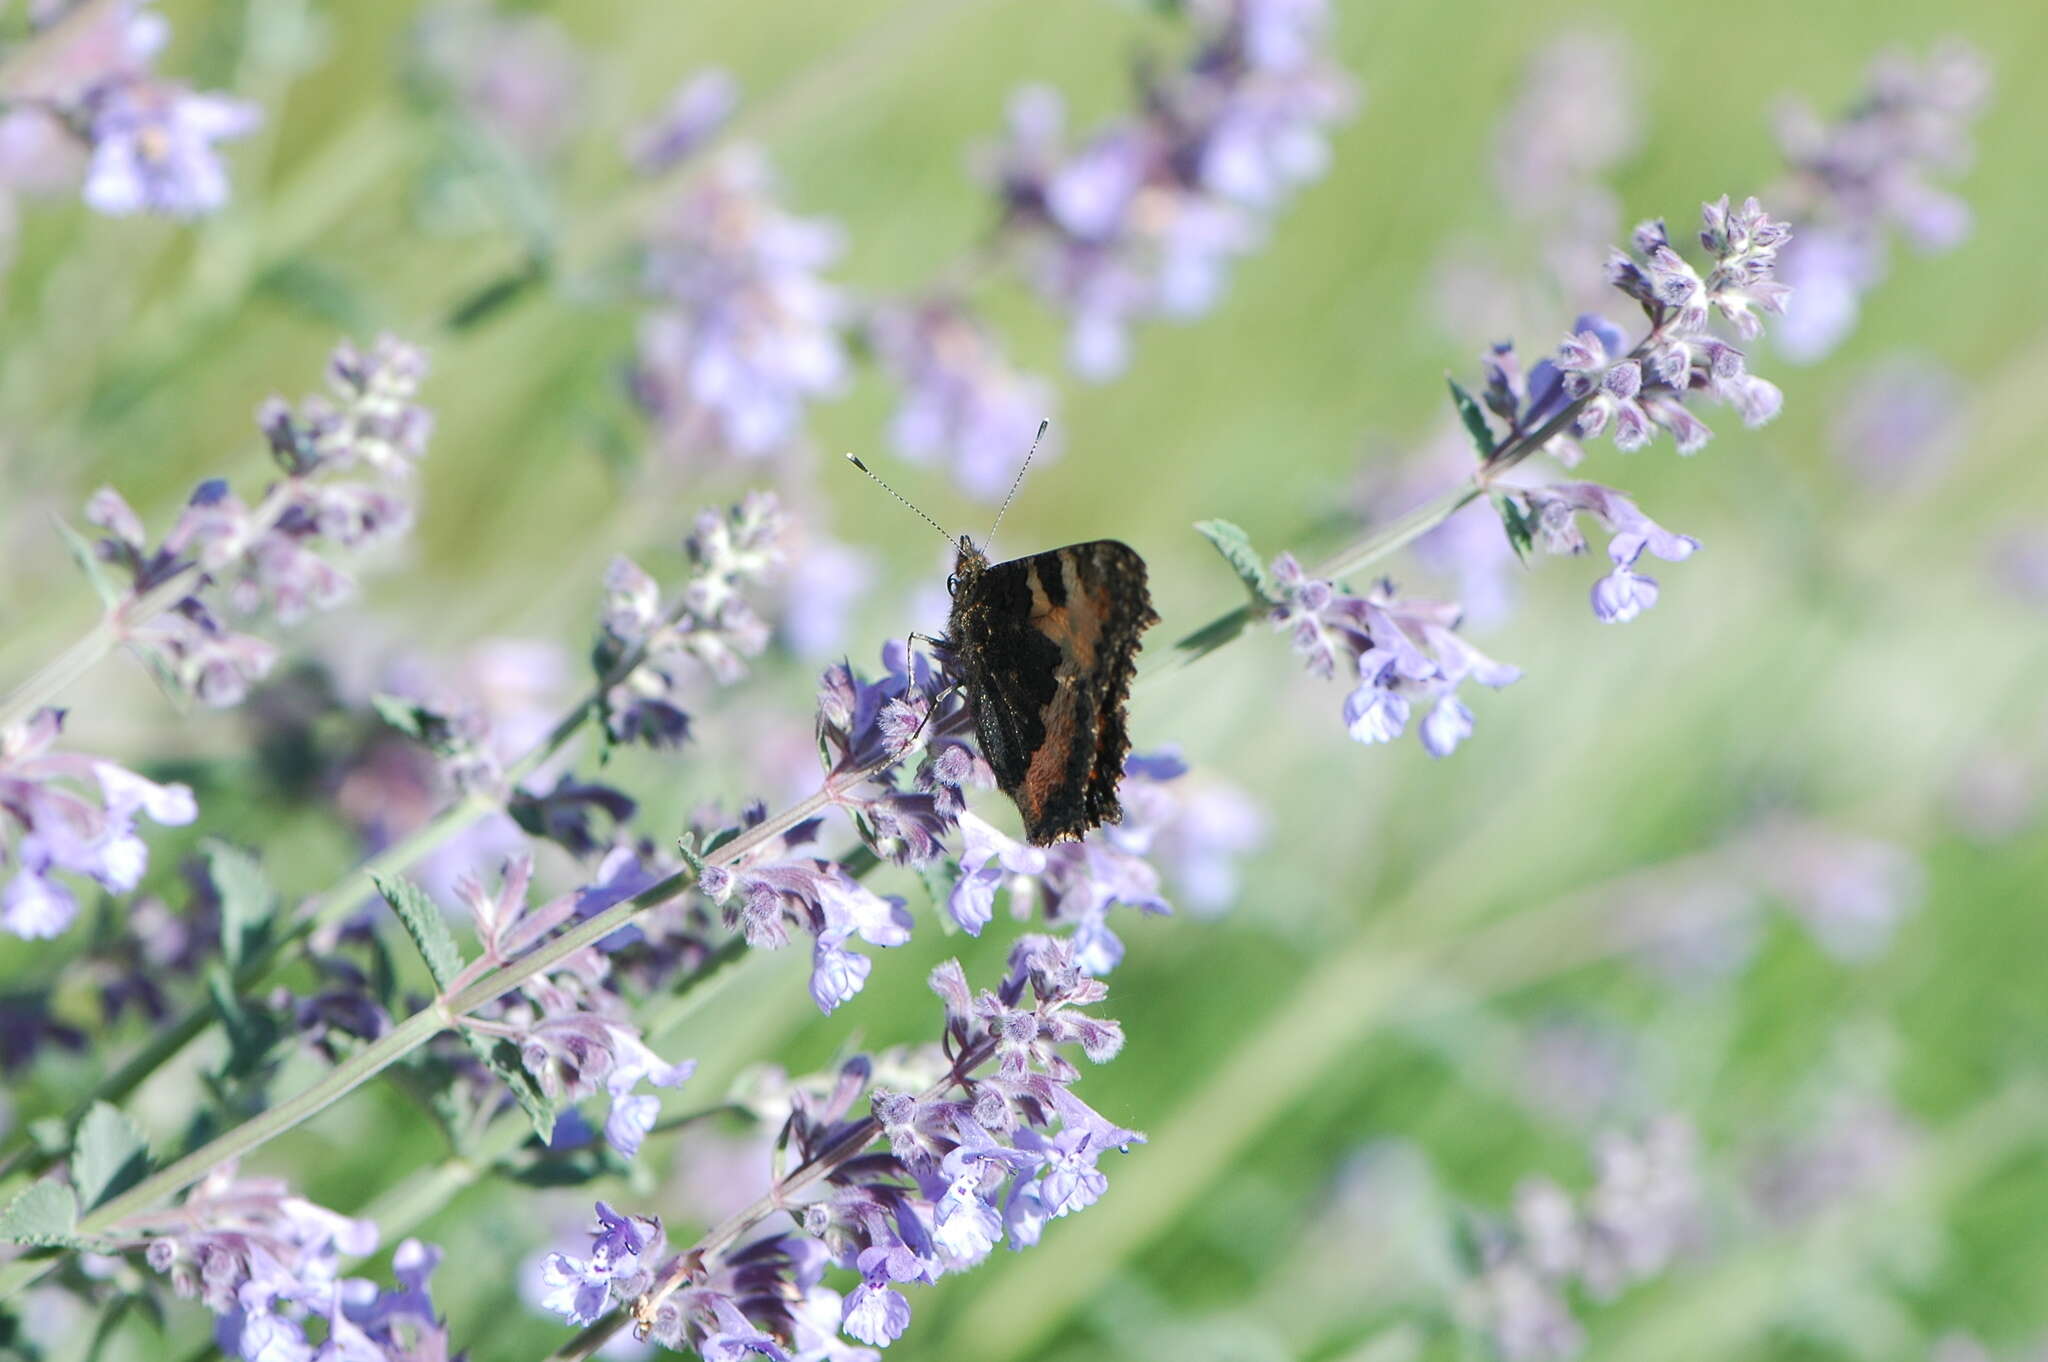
{"x": 1853, "y": 181}
{"x": 624, "y": 1253}
{"x": 518, "y": 75}
{"x": 1195, "y": 828}
{"x": 65, "y": 814}
{"x": 1899, "y": 426}
{"x": 695, "y": 113}
{"x": 962, "y": 401}
{"x": 1401, "y": 651}
{"x": 986, "y": 856}
{"x": 743, "y": 332}
{"x": 1623, "y": 594}
{"x": 709, "y": 626}
{"x": 866, "y": 733}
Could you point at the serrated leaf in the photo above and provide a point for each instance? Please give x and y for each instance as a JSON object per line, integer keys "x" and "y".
{"x": 425, "y": 925}
{"x": 110, "y": 1156}
{"x": 247, "y": 903}
{"x": 253, "y": 1036}
{"x": 88, "y": 560}
{"x": 44, "y": 1216}
{"x": 1474, "y": 417}
{"x": 1521, "y": 530}
{"x": 1236, "y": 547}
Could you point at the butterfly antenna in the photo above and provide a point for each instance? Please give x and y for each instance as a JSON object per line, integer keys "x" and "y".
{"x": 855, "y": 461}
{"x": 1018, "y": 482}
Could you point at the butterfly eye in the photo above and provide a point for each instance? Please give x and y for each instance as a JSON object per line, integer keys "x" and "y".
{"x": 952, "y": 583}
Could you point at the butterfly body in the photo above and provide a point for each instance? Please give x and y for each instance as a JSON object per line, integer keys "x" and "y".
{"x": 1047, "y": 646}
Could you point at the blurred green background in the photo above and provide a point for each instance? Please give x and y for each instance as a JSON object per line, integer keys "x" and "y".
{"x": 1836, "y": 651}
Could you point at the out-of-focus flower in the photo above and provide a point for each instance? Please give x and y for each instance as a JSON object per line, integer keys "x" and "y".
{"x": 64, "y": 814}
{"x": 1854, "y": 1147}
{"x": 518, "y": 75}
{"x": 1898, "y": 427}
{"x": 825, "y": 580}
{"x": 1193, "y": 826}
{"x": 2018, "y": 563}
{"x": 1850, "y": 892}
{"x": 1854, "y": 181}
{"x": 700, "y": 107}
{"x": 1468, "y": 553}
{"x": 743, "y": 333}
{"x": 150, "y": 141}
{"x": 1143, "y": 217}
{"x": 708, "y": 624}
{"x": 262, "y": 559}
{"x": 962, "y": 402}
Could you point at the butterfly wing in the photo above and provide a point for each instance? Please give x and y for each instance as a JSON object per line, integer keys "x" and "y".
{"x": 1050, "y": 645}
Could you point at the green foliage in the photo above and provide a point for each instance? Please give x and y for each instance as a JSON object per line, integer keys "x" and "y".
{"x": 1473, "y": 417}
{"x": 110, "y": 1156}
{"x": 247, "y": 902}
{"x": 1236, "y": 547}
{"x": 42, "y": 1216}
{"x": 426, "y": 926}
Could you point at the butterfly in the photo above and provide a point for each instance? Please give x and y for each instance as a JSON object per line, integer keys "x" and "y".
{"x": 1046, "y": 647}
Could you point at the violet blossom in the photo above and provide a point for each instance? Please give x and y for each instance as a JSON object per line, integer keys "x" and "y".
{"x": 962, "y": 403}
{"x": 921, "y": 1185}
{"x": 1402, "y": 653}
{"x": 343, "y": 460}
{"x": 700, "y": 107}
{"x": 1851, "y": 183}
{"x": 69, "y": 815}
{"x": 708, "y": 625}
{"x": 867, "y": 730}
{"x": 743, "y": 333}
{"x": 1142, "y": 218}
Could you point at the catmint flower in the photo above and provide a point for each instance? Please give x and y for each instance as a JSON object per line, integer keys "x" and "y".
{"x": 342, "y": 459}
{"x": 771, "y": 892}
{"x": 867, "y": 730}
{"x": 695, "y": 113}
{"x": 986, "y": 858}
{"x": 64, "y": 814}
{"x": 1854, "y": 181}
{"x": 962, "y": 402}
{"x": 261, "y": 1259}
{"x": 517, "y": 75}
{"x": 1624, "y": 593}
{"x": 1849, "y": 892}
{"x": 1855, "y": 1145}
{"x": 624, "y": 1253}
{"x": 1403, "y": 654}
{"x": 743, "y": 332}
{"x": 708, "y": 625}
{"x": 1194, "y": 828}
{"x": 1143, "y": 217}
{"x": 153, "y": 149}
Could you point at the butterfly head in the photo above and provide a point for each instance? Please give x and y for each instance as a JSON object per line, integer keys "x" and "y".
{"x": 968, "y": 565}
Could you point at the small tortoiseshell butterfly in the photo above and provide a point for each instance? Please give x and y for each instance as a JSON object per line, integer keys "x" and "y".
{"x": 1046, "y": 647}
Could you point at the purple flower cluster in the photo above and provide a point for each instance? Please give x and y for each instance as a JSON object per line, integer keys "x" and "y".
{"x": 772, "y": 890}
{"x": 342, "y": 459}
{"x": 517, "y": 75}
{"x": 1402, "y": 652}
{"x": 694, "y": 114}
{"x": 1854, "y": 181}
{"x": 1143, "y": 217}
{"x": 151, "y": 141}
{"x": 268, "y": 1264}
{"x": 1645, "y": 1210}
{"x": 1553, "y": 511}
{"x": 708, "y": 623}
{"x": 925, "y": 1184}
{"x": 1075, "y": 884}
{"x": 574, "y": 1031}
{"x": 962, "y": 403}
{"x": 868, "y": 729}
{"x": 743, "y": 332}
{"x": 64, "y": 814}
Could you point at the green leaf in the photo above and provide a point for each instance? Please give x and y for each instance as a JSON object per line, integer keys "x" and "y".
{"x": 44, "y": 1215}
{"x": 109, "y": 1157}
{"x": 89, "y": 563}
{"x": 425, "y": 925}
{"x": 1474, "y": 417}
{"x": 254, "y": 1037}
{"x": 1236, "y": 547}
{"x": 408, "y": 717}
{"x": 1215, "y": 633}
{"x": 247, "y": 904}
{"x": 1521, "y": 529}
